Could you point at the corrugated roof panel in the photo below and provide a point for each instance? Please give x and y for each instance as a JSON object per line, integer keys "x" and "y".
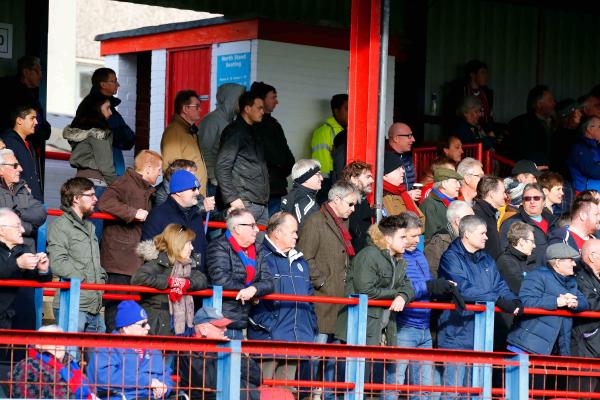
{"x": 503, "y": 35}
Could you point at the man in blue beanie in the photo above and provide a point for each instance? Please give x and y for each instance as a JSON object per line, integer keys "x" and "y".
{"x": 135, "y": 373}
{"x": 180, "y": 208}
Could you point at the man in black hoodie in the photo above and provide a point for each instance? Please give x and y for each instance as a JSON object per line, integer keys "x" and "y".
{"x": 280, "y": 159}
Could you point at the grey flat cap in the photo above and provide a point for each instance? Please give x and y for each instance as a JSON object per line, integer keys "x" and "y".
{"x": 561, "y": 251}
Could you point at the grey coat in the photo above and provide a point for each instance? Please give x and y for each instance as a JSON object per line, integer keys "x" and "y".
{"x": 212, "y": 125}
{"x": 31, "y": 211}
{"x": 91, "y": 150}
{"x": 74, "y": 253}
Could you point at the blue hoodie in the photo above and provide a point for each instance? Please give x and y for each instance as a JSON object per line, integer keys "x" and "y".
{"x": 418, "y": 272}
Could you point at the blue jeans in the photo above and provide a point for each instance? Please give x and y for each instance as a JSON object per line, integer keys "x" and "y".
{"x": 329, "y": 373}
{"x": 419, "y": 373}
{"x": 456, "y": 374}
{"x": 234, "y": 334}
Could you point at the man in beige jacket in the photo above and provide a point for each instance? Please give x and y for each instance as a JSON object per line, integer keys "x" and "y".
{"x": 180, "y": 139}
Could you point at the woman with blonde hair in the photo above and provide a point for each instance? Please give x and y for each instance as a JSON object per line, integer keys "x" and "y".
{"x": 169, "y": 265}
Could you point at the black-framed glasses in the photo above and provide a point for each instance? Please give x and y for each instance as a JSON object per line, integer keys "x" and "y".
{"x": 93, "y": 194}
{"x": 408, "y": 135}
{"x": 252, "y": 225}
{"x": 14, "y": 165}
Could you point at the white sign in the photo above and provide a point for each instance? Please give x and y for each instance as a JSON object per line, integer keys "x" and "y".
{"x": 6, "y": 38}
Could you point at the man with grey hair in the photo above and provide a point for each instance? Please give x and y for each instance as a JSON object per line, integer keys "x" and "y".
{"x": 440, "y": 241}
{"x": 471, "y": 170}
{"x": 234, "y": 263}
{"x": 284, "y": 320}
{"x": 301, "y": 201}
{"x": 327, "y": 246}
{"x": 477, "y": 278}
{"x": 17, "y": 262}
{"x": 15, "y": 195}
{"x": 445, "y": 190}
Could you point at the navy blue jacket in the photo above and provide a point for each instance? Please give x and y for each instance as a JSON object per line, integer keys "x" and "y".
{"x": 478, "y": 279}
{"x": 289, "y": 321}
{"x": 28, "y": 160}
{"x": 417, "y": 270}
{"x": 537, "y": 334}
{"x": 584, "y": 165}
{"x": 170, "y": 212}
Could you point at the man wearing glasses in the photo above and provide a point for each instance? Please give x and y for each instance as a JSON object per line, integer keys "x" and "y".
{"x": 74, "y": 252}
{"x": 15, "y": 195}
{"x": 180, "y": 208}
{"x": 180, "y": 138}
{"x": 534, "y": 213}
{"x": 104, "y": 81}
{"x": 400, "y": 141}
{"x": 235, "y": 263}
{"x": 133, "y": 373}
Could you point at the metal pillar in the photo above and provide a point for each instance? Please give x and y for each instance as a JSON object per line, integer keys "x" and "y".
{"x": 484, "y": 341}
{"x": 364, "y": 80}
{"x": 356, "y": 334}
{"x": 216, "y": 300}
{"x": 229, "y": 367}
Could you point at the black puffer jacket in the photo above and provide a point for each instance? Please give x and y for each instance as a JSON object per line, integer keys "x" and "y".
{"x": 225, "y": 269}
{"x": 241, "y": 169}
{"x": 585, "y": 338}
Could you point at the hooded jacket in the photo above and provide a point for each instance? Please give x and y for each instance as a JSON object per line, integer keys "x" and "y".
{"x": 290, "y": 321}
{"x": 155, "y": 273}
{"x": 91, "y": 153}
{"x": 538, "y": 334}
{"x": 381, "y": 276}
{"x": 477, "y": 279}
{"x": 213, "y": 123}
{"x": 300, "y": 202}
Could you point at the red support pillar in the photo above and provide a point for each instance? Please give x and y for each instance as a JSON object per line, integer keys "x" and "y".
{"x": 363, "y": 82}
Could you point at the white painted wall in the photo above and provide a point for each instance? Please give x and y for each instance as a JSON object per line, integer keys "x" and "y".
{"x": 305, "y": 78}
{"x": 125, "y": 65}
{"x": 61, "y": 57}
{"x": 158, "y": 95}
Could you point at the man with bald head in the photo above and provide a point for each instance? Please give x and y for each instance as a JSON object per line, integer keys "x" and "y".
{"x": 400, "y": 141}
{"x": 585, "y": 338}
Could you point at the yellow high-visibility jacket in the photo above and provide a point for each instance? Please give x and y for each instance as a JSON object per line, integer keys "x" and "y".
{"x": 321, "y": 144}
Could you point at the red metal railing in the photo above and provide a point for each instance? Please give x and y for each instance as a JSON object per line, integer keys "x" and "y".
{"x": 423, "y": 156}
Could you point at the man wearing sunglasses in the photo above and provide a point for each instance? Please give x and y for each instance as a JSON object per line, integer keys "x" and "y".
{"x": 534, "y": 213}
{"x": 134, "y": 373}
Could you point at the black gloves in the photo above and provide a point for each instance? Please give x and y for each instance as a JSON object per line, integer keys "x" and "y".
{"x": 445, "y": 289}
{"x": 510, "y": 306}
{"x": 439, "y": 287}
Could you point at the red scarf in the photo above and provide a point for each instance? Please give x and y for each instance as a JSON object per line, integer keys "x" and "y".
{"x": 340, "y": 225}
{"x": 248, "y": 260}
{"x": 401, "y": 190}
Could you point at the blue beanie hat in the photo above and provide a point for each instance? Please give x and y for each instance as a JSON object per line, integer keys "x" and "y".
{"x": 182, "y": 180}
{"x": 128, "y": 313}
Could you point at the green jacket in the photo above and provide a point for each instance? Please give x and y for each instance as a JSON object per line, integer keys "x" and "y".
{"x": 321, "y": 143}
{"x": 74, "y": 253}
{"x": 372, "y": 272}
{"x": 435, "y": 215}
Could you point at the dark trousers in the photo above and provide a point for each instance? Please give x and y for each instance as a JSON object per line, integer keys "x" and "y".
{"x": 110, "y": 306}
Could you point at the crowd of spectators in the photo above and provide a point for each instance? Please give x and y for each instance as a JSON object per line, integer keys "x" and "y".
{"x": 459, "y": 235}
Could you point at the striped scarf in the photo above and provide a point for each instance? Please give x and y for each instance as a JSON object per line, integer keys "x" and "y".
{"x": 249, "y": 260}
